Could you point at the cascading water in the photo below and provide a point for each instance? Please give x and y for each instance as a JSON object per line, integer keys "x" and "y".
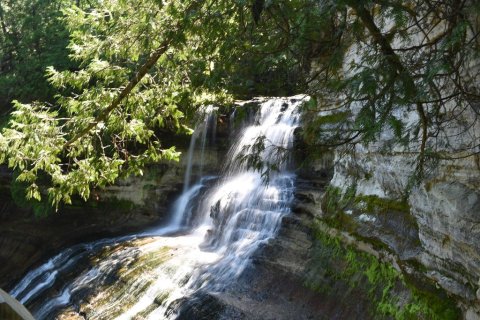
{"x": 201, "y": 131}
{"x": 222, "y": 224}
{"x": 182, "y": 209}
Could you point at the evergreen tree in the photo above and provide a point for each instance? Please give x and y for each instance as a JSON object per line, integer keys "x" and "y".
{"x": 32, "y": 37}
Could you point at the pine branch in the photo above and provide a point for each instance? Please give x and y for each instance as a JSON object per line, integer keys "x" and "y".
{"x": 396, "y": 63}
{"x": 141, "y": 72}
{"x": 152, "y": 60}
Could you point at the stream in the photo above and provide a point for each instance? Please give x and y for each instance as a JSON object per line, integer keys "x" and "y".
{"x": 216, "y": 225}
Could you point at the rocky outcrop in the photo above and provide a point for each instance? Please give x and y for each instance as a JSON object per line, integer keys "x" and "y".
{"x": 437, "y": 230}
{"x": 431, "y": 230}
{"x": 419, "y": 205}
{"x": 305, "y": 273}
{"x": 312, "y": 270}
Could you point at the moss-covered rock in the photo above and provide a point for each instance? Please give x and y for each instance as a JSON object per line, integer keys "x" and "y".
{"x": 392, "y": 295}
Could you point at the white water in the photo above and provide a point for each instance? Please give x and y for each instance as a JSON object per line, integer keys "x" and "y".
{"x": 209, "y": 122}
{"x": 222, "y": 225}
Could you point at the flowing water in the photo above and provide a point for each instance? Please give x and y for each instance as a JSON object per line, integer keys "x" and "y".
{"x": 216, "y": 225}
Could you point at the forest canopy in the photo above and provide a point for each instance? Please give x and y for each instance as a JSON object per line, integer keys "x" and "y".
{"x": 95, "y": 85}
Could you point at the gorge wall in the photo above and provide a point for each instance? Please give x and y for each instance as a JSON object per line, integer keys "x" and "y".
{"x": 425, "y": 224}
{"x": 431, "y": 234}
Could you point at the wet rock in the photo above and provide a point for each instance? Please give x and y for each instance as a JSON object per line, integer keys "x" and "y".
{"x": 276, "y": 285}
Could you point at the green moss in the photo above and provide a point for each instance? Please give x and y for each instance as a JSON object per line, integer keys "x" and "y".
{"x": 431, "y": 302}
{"x": 335, "y": 264}
{"x": 376, "y": 204}
{"x": 335, "y": 201}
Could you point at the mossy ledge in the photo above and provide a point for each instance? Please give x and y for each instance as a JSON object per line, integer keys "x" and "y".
{"x": 338, "y": 257}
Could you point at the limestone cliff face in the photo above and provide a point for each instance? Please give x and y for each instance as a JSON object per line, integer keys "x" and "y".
{"x": 431, "y": 226}
{"x": 439, "y": 231}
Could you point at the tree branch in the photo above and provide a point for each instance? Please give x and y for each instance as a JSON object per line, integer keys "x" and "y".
{"x": 124, "y": 93}
{"x": 141, "y": 72}
{"x": 396, "y": 63}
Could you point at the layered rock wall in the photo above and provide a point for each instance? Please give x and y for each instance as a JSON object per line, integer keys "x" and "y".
{"x": 427, "y": 220}
{"x": 436, "y": 235}
{"x": 430, "y": 223}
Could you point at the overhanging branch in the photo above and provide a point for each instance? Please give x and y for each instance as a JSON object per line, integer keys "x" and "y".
{"x": 139, "y": 74}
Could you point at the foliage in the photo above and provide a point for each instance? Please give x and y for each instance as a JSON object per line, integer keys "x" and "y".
{"x": 91, "y": 136}
{"x": 335, "y": 201}
{"x": 373, "y": 203}
{"x": 40, "y": 208}
{"x": 144, "y": 67}
{"x": 251, "y": 157}
{"x": 32, "y": 37}
{"x": 270, "y": 51}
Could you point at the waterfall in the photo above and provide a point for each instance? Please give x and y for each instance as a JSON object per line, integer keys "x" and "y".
{"x": 201, "y": 130}
{"x": 223, "y": 221}
{"x": 182, "y": 209}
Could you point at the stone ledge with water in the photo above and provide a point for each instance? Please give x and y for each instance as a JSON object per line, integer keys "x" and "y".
{"x": 216, "y": 226}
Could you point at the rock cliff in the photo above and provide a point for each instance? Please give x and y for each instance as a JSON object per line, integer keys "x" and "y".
{"x": 425, "y": 222}
{"x": 432, "y": 231}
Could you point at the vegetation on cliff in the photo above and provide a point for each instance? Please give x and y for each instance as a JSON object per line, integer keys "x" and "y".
{"x": 391, "y": 293}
